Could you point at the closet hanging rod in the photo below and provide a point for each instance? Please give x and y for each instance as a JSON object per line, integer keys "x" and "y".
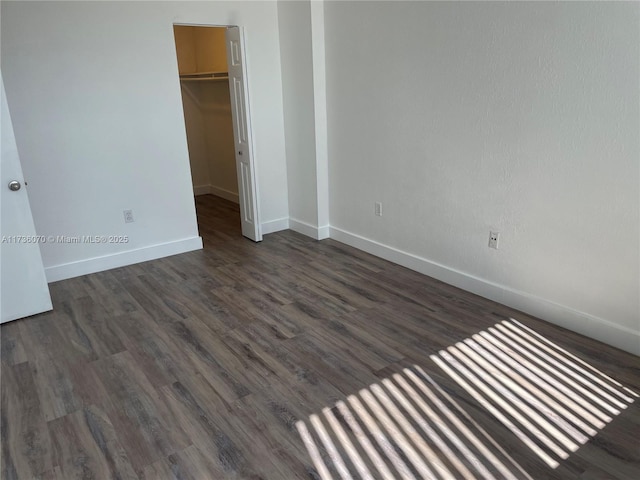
{"x": 200, "y": 76}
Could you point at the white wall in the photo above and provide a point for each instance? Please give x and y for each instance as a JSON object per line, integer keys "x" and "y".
{"x": 301, "y": 26}
{"x": 223, "y": 177}
{"x": 294, "y": 22}
{"x": 196, "y": 137}
{"x": 521, "y": 117}
{"x": 209, "y": 127}
{"x": 94, "y": 93}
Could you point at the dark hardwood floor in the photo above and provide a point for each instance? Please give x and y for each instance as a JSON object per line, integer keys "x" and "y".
{"x": 294, "y": 358}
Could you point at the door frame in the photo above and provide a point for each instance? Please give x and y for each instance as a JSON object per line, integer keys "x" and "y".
{"x": 255, "y": 187}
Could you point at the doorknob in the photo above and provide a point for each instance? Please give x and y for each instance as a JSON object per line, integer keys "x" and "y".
{"x": 14, "y": 185}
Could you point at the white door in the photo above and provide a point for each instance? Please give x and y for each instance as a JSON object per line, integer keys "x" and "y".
{"x": 247, "y": 185}
{"x": 23, "y": 285}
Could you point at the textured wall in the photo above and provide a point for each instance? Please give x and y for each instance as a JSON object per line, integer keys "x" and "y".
{"x": 518, "y": 117}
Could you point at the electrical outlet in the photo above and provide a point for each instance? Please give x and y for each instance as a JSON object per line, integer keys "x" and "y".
{"x": 494, "y": 237}
{"x": 128, "y": 216}
{"x": 378, "y": 209}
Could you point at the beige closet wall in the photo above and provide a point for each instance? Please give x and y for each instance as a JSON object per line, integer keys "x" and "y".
{"x": 207, "y": 110}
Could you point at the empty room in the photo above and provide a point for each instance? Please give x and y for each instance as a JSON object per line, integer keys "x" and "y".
{"x": 313, "y": 239}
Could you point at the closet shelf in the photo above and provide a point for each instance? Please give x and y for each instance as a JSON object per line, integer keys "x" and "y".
{"x": 204, "y": 76}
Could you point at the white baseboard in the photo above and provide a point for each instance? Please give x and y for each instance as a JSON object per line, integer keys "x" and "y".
{"x": 217, "y": 191}
{"x": 226, "y": 194}
{"x": 319, "y": 233}
{"x": 201, "y": 190}
{"x": 324, "y": 232}
{"x": 275, "y": 226}
{"x": 581, "y": 322}
{"x": 121, "y": 259}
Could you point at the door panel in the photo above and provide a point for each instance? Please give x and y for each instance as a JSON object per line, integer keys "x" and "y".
{"x": 246, "y": 189}
{"x": 245, "y": 165}
{"x": 23, "y": 285}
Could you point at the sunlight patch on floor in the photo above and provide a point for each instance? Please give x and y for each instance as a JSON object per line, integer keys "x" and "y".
{"x": 408, "y": 426}
{"x": 549, "y": 398}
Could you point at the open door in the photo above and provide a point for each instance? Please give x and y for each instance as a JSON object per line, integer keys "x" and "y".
{"x": 23, "y": 285}
{"x": 245, "y": 166}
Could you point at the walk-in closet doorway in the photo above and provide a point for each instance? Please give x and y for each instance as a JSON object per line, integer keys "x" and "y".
{"x": 215, "y": 102}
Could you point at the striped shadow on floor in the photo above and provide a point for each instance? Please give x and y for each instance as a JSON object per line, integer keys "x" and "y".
{"x": 407, "y": 426}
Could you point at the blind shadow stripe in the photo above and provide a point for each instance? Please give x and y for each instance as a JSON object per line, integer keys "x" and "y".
{"x": 561, "y": 371}
{"x": 535, "y": 396}
{"x": 580, "y": 374}
{"x": 508, "y": 401}
{"x": 565, "y": 404}
{"x": 495, "y": 412}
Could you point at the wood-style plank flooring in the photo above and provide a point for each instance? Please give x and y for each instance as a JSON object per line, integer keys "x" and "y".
{"x": 294, "y": 358}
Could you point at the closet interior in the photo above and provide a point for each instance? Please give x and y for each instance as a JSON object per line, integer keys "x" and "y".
{"x": 202, "y": 65}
